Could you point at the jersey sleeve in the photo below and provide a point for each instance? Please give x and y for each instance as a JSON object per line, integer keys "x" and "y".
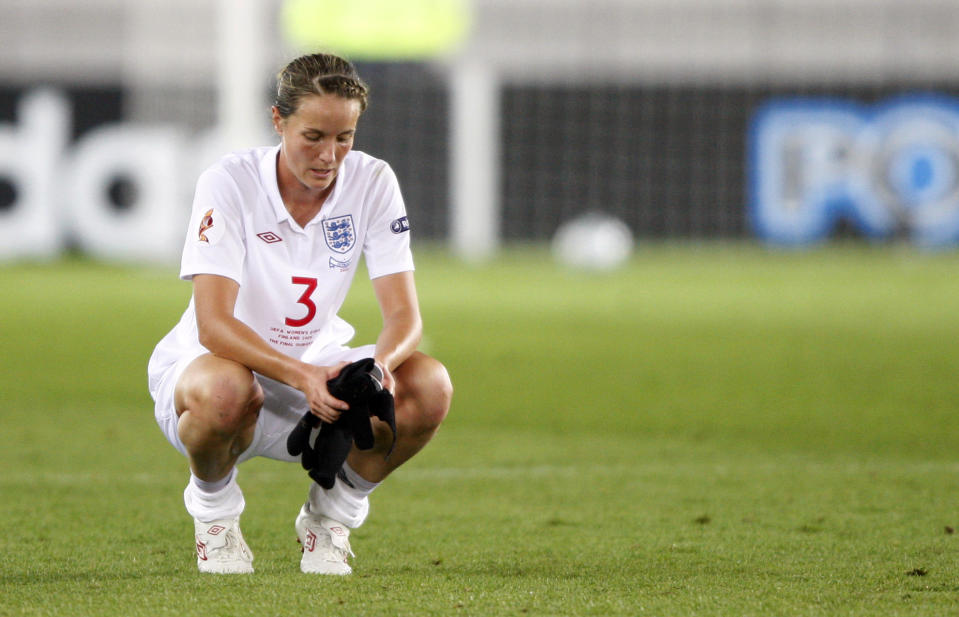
{"x": 214, "y": 240}
{"x": 387, "y": 245}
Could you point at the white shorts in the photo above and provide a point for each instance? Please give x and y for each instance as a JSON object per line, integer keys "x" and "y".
{"x": 283, "y": 406}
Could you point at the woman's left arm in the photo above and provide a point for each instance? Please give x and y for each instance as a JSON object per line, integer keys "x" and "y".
{"x": 402, "y": 323}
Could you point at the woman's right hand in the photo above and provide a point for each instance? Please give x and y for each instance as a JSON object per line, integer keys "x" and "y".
{"x": 323, "y": 404}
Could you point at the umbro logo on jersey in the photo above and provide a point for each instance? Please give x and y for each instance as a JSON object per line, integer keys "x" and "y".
{"x": 269, "y": 237}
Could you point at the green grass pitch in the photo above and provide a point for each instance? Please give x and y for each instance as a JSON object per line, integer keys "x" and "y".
{"x": 714, "y": 430}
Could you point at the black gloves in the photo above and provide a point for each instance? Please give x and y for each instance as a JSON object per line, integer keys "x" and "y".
{"x": 359, "y": 385}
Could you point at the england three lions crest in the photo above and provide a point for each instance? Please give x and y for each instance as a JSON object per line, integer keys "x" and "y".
{"x": 339, "y": 233}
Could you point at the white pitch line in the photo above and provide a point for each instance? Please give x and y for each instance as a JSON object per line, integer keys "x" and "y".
{"x": 894, "y": 468}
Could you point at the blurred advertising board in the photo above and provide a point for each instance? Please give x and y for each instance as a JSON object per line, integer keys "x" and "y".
{"x": 890, "y": 169}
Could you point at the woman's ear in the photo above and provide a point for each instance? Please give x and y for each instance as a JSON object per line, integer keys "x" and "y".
{"x": 277, "y": 121}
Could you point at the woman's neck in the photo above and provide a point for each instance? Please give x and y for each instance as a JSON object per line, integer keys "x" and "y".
{"x": 300, "y": 201}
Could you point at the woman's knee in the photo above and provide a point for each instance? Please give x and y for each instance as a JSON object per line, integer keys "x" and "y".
{"x": 424, "y": 391}
{"x": 222, "y": 394}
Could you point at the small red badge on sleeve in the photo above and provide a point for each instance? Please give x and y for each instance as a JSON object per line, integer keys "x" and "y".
{"x": 206, "y": 223}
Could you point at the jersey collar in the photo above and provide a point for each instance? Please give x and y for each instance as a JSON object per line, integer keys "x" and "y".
{"x": 268, "y": 173}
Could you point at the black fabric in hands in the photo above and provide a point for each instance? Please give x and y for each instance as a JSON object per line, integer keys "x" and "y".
{"x": 360, "y": 386}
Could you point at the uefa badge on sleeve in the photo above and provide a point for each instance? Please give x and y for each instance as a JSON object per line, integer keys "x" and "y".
{"x": 206, "y": 223}
{"x": 209, "y": 228}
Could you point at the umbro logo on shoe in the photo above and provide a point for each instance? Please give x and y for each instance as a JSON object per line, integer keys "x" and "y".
{"x": 220, "y": 548}
{"x": 326, "y": 544}
{"x": 310, "y": 544}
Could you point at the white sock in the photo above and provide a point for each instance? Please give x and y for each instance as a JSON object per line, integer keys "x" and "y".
{"x": 212, "y": 487}
{"x": 349, "y": 505}
{"x": 356, "y": 481}
{"x": 207, "y": 506}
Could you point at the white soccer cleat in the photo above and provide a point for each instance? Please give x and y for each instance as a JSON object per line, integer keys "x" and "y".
{"x": 220, "y": 547}
{"x": 325, "y": 544}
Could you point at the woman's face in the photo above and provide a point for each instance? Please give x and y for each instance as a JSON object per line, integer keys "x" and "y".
{"x": 315, "y": 139}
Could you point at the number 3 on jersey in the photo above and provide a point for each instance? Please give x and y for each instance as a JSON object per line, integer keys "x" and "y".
{"x": 305, "y": 300}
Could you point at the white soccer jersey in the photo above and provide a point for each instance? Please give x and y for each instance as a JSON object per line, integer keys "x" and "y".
{"x": 293, "y": 280}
